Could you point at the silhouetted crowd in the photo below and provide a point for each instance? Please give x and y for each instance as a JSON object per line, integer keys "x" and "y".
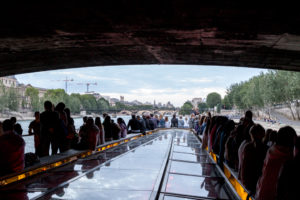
{"x": 55, "y": 128}
{"x": 267, "y": 161}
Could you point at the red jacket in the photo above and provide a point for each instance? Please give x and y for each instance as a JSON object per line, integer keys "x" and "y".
{"x": 11, "y": 153}
{"x": 267, "y": 183}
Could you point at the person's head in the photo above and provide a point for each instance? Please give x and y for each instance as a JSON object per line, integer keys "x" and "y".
{"x": 48, "y": 105}
{"x": 229, "y": 126}
{"x": 249, "y": 114}
{"x": 68, "y": 112}
{"x": 13, "y": 120}
{"x": 138, "y": 117}
{"x": 107, "y": 119}
{"x": 37, "y": 116}
{"x": 7, "y": 125}
{"x": 60, "y": 107}
{"x": 90, "y": 121}
{"x": 192, "y": 115}
{"x": 166, "y": 118}
{"x": 174, "y": 116}
{"x": 156, "y": 116}
{"x": 18, "y": 129}
{"x": 286, "y": 136}
{"x": 257, "y": 132}
{"x": 133, "y": 116}
{"x": 151, "y": 115}
{"x": 297, "y": 146}
{"x": 85, "y": 118}
{"x": 180, "y": 117}
{"x": 120, "y": 120}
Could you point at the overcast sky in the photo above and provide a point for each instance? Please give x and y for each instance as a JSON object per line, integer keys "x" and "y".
{"x": 163, "y": 83}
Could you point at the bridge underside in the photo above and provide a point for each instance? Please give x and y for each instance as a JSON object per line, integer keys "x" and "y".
{"x": 41, "y": 36}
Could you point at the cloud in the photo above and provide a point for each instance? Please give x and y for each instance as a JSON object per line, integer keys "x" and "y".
{"x": 194, "y": 80}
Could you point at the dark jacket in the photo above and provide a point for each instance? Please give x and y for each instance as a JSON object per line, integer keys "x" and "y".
{"x": 174, "y": 122}
{"x": 134, "y": 124}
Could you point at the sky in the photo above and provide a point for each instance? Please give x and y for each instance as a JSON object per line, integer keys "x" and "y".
{"x": 162, "y": 83}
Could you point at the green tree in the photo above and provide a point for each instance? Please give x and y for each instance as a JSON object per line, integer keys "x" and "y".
{"x": 213, "y": 99}
{"x": 13, "y": 99}
{"x": 103, "y": 104}
{"x": 33, "y": 94}
{"x": 202, "y": 107}
{"x": 186, "y": 109}
{"x": 226, "y": 103}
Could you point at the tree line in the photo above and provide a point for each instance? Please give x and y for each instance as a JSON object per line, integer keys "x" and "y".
{"x": 276, "y": 87}
{"x": 11, "y": 100}
{"x": 265, "y": 91}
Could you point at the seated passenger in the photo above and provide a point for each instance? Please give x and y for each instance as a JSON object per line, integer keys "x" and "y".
{"x": 276, "y": 157}
{"x": 17, "y": 127}
{"x": 180, "y": 122}
{"x": 174, "y": 122}
{"x": 116, "y": 130}
{"x": 88, "y": 136}
{"x": 11, "y": 150}
{"x": 123, "y": 128}
{"x": 287, "y": 186}
{"x": 162, "y": 122}
{"x": 252, "y": 158}
{"x": 99, "y": 125}
{"x": 134, "y": 125}
{"x": 167, "y": 122}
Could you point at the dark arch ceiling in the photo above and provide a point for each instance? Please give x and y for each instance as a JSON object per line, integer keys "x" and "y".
{"x": 66, "y": 34}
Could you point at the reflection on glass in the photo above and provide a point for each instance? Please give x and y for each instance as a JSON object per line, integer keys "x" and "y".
{"x": 196, "y": 186}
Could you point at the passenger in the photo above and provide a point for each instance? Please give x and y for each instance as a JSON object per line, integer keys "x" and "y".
{"x": 191, "y": 121}
{"x": 267, "y": 136}
{"x": 123, "y": 127}
{"x": 186, "y": 122}
{"x": 107, "y": 129}
{"x": 157, "y": 120}
{"x": 174, "y": 121}
{"x": 162, "y": 122}
{"x": 203, "y": 122}
{"x": 246, "y": 138}
{"x": 11, "y": 150}
{"x": 61, "y": 130}
{"x": 276, "y": 157}
{"x": 252, "y": 158}
{"x": 180, "y": 122}
{"x": 232, "y": 146}
{"x": 154, "y": 120}
{"x": 289, "y": 176}
{"x": 35, "y": 129}
{"x": 151, "y": 123}
{"x": 146, "y": 123}
{"x": 72, "y": 137}
{"x": 205, "y": 133}
{"x": 116, "y": 130}
{"x": 17, "y": 127}
{"x": 228, "y": 128}
{"x": 134, "y": 125}
{"x": 222, "y": 120}
{"x": 141, "y": 123}
{"x": 49, "y": 121}
{"x": 167, "y": 122}
{"x": 88, "y": 138}
{"x": 101, "y": 137}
